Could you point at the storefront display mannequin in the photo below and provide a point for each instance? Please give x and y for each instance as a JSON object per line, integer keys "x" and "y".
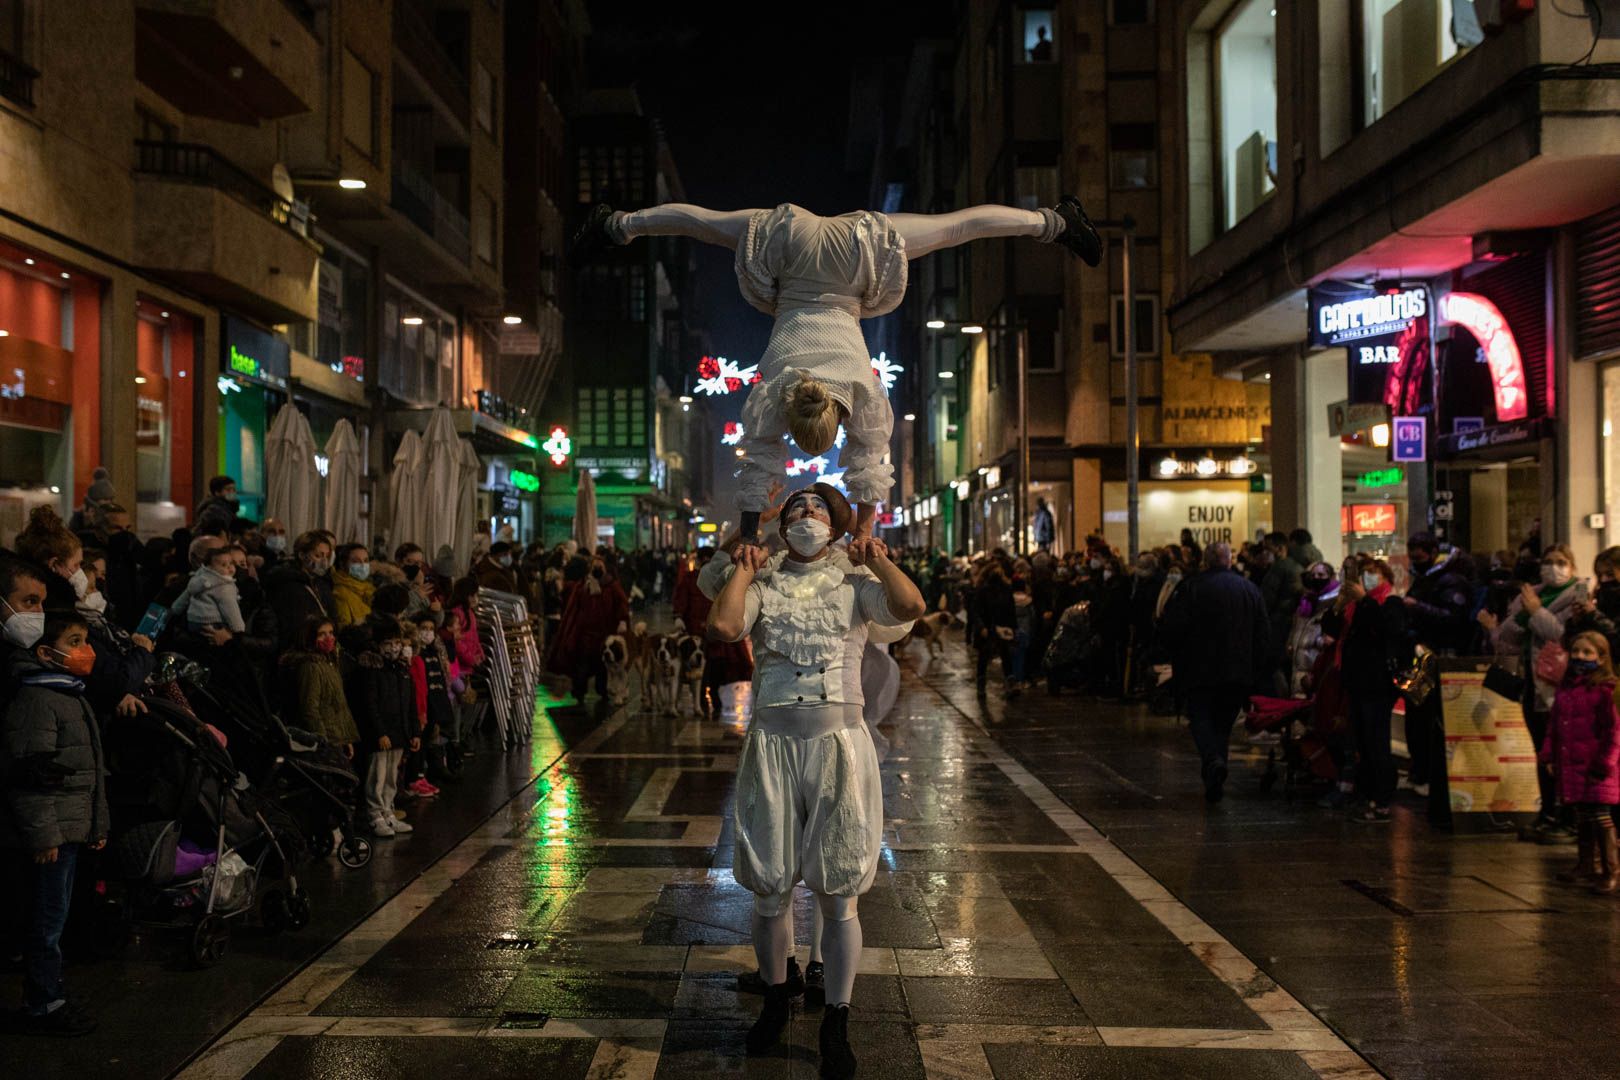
{"x": 818, "y": 277}
{"x": 809, "y": 798}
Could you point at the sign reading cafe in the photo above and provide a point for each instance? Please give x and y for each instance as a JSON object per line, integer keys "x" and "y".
{"x": 1385, "y": 335}
{"x": 1364, "y": 314}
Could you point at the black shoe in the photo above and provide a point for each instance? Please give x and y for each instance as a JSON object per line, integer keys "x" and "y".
{"x": 773, "y": 1020}
{"x": 1214, "y": 781}
{"x": 65, "y": 1021}
{"x": 1079, "y": 234}
{"x": 1372, "y": 815}
{"x": 591, "y": 238}
{"x": 837, "y": 1059}
{"x": 815, "y": 985}
{"x": 795, "y": 978}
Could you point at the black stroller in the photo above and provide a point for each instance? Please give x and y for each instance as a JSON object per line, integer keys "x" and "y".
{"x": 196, "y": 845}
{"x": 311, "y": 780}
{"x": 1073, "y": 646}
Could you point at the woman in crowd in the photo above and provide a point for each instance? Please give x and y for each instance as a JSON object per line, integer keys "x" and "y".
{"x": 596, "y": 608}
{"x": 1373, "y": 627}
{"x": 300, "y": 589}
{"x": 352, "y": 589}
{"x": 313, "y": 694}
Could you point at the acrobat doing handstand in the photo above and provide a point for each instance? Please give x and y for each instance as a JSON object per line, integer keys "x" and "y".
{"x": 818, "y": 277}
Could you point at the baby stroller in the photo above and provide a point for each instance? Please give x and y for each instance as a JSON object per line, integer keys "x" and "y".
{"x": 1306, "y": 756}
{"x": 196, "y": 845}
{"x": 1073, "y": 645}
{"x": 312, "y": 781}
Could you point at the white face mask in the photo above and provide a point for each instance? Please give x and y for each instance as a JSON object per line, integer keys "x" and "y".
{"x": 93, "y": 602}
{"x": 24, "y": 628}
{"x": 1371, "y": 581}
{"x": 80, "y": 582}
{"x": 1554, "y": 573}
{"x": 808, "y": 536}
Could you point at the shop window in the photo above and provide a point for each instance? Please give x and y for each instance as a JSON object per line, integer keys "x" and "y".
{"x": 1130, "y": 12}
{"x": 1246, "y": 107}
{"x": 611, "y": 417}
{"x": 166, "y": 344}
{"x": 1133, "y": 156}
{"x": 1037, "y": 186}
{"x": 359, "y": 105}
{"x": 1040, "y": 41}
{"x": 483, "y": 226}
{"x": 1405, "y": 43}
{"x": 1147, "y": 325}
{"x": 1044, "y": 340}
{"x": 483, "y": 95}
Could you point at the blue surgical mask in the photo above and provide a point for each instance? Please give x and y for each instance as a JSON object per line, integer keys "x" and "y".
{"x": 1582, "y": 667}
{"x": 276, "y": 544}
{"x": 1371, "y": 581}
{"x": 360, "y": 571}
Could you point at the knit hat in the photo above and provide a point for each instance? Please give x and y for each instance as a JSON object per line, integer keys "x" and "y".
{"x": 444, "y": 563}
{"x": 101, "y": 489}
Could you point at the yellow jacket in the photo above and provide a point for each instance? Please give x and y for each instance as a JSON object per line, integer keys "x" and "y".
{"x": 352, "y": 598}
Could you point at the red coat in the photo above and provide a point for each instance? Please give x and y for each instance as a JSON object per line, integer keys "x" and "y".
{"x": 1581, "y": 734}
{"x": 727, "y": 661}
{"x": 586, "y": 622}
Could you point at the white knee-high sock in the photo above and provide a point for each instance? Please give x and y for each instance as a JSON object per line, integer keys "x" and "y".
{"x": 723, "y": 227}
{"x": 773, "y": 944}
{"x": 842, "y": 942}
{"x": 925, "y": 233}
{"x": 816, "y": 925}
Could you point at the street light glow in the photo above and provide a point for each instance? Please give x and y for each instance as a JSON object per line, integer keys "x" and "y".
{"x": 972, "y": 328}
{"x": 685, "y": 399}
{"x": 352, "y": 183}
{"x": 513, "y": 320}
{"x": 935, "y": 324}
{"x": 412, "y": 320}
{"x": 910, "y": 416}
{"x": 947, "y": 374}
{"x": 1380, "y": 435}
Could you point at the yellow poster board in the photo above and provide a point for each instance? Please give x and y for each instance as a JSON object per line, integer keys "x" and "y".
{"x": 1490, "y": 756}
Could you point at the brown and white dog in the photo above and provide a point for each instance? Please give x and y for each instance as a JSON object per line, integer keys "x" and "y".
{"x": 638, "y": 645}
{"x": 689, "y": 647}
{"x": 930, "y": 629}
{"x": 615, "y": 659}
{"x": 664, "y": 673}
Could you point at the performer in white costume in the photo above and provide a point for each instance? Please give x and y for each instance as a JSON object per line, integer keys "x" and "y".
{"x": 809, "y": 797}
{"x": 818, "y": 277}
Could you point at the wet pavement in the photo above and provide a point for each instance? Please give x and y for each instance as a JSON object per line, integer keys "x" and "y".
{"x": 1055, "y": 900}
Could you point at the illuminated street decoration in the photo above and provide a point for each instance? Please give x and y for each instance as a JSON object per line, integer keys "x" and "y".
{"x": 840, "y": 438}
{"x": 718, "y": 376}
{"x": 886, "y": 370}
{"x": 801, "y": 466}
{"x": 559, "y": 446}
{"x": 836, "y": 479}
{"x": 732, "y": 434}
{"x": 1481, "y": 318}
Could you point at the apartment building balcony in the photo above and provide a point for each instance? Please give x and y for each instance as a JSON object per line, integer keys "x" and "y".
{"x": 207, "y": 225}
{"x": 242, "y": 61}
{"x": 418, "y": 50}
{"x": 420, "y": 202}
{"x": 16, "y": 80}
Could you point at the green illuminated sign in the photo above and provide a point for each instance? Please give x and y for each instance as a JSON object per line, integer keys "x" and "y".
{"x": 1382, "y": 478}
{"x": 524, "y": 481}
{"x": 242, "y": 363}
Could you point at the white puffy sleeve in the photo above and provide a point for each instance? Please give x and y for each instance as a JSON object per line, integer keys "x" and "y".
{"x": 865, "y": 458}
{"x": 872, "y": 602}
{"x": 765, "y": 454}
{"x": 883, "y": 264}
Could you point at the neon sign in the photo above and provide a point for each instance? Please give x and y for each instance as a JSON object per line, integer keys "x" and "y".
{"x": 524, "y": 481}
{"x": 559, "y": 446}
{"x": 1378, "y": 478}
{"x": 886, "y": 370}
{"x": 1369, "y": 316}
{"x": 242, "y": 363}
{"x": 1482, "y": 318}
{"x": 718, "y": 376}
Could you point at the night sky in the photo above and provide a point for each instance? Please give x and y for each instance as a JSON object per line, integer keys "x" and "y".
{"x": 757, "y": 113}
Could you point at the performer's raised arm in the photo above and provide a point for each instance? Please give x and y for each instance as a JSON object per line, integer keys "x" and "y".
{"x": 904, "y": 602}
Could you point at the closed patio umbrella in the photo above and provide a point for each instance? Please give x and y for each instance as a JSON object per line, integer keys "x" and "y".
{"x": 343, "y": 484}
{"x": 405, "y": 490}
{"x": 585, "y": 513}
{"x": 466, "y": 505}
{"x": 441, "y": 490}
{"x": 293, "y": 482}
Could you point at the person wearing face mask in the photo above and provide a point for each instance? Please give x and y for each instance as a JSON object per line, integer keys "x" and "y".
{"x": 53, "y": 806}
{"x": 1437, "y": 602}
{"x": 1372, "y": 626}
{"x": 494, "y": 570}
{"x": 814, "y": 804}
{"x": 1582, "y": 749}
{"x": 352, "y": 589}
{"x": 299, "y": 589}
{"x": 1536, "y": 619}
{"x": 313, "y": 687}
{"x": 384, "y": 704}
{"x": 273, "y": 542}
{"x": 430, "y": 676}
{"x": 123, "y": 660}
{"x": 48, "y": 544}
{"x": 1306, "y": 638}
{"x": 595, "y": 608}
{"x": 1601, "y": 612}
{"x": 216, "y": 513}
{"x": 22, "y": 612}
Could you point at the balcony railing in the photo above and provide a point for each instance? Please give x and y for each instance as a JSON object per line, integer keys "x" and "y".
{"x": 414, "y": 32}
{"x": 194, "y": 163}
{"x": 417, "y": 198}
{"x": 16, "y": 80}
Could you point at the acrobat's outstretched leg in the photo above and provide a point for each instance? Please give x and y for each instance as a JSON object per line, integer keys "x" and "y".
{"x": 605, "y": 226}
{"x": 1064, "y": 224}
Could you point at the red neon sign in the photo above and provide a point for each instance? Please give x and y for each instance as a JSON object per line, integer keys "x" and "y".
{"x": 1484, "y": 320}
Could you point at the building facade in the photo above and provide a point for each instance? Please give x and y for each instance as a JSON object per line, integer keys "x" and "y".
{"x": 1403, "y": 216}
{"x": 214, "y": 210}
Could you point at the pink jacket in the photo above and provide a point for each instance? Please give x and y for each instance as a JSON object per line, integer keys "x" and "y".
{"x": 1582, "y": 736}
{"x": 469, "y": 651}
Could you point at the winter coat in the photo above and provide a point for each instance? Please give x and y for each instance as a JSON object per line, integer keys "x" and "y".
{"x": 1306, "y": 555}
{"x": 214, "y": 516}
{"x": 351, "y": 597}
{"x": 492, "y": 575}
{"x": 469, "y": 650}
{"x": 296, "y": 596}
{"x": 383, "y": 700}
{"x": 1281, "y": 588}
{"x": 1375, "y": 646}
{"x": 121, "y": 666}
{"x": 1582, "y": 736}
{"x": 1437, "y": 609}
{"x": 993, "y": 608}
{"x": 53, "y": 777}
{"x": 430, "y": 681}
{"x": 587, "y": 621}
{"x": 210, "y": 599}
{"x": 314, "y": 698}
{"x": 1218, "y": 632}
{"x": 1518, "y": 646}
{"x": 1306, "y": 639}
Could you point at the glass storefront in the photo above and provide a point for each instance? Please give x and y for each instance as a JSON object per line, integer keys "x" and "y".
{"x": 254, "y": 366}
{"x": 166, "y": 344}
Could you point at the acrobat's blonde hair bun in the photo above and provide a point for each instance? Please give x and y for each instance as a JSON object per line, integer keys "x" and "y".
{"x": 812, "y": 414}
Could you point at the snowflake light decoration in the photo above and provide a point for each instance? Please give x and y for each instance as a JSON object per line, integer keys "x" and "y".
{"x": 801, "y": 466}
{"x": 841, "y": 438}
{"x": 732, "y": 434}
{"x": 886, "y": 370}
{"x": 718, "y": 376}
{"x": 836, "y": 479}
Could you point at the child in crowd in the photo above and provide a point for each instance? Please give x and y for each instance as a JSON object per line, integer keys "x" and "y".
{"x": 430, "y": 670}
{"x": 53, "y": 803}
{"x": 210, "y": 599}
{"x": 1583, "y": 749}
{"x": 384, "y": 704}
{"x": 314, "y": 691}
{"x": 462, "y": 697}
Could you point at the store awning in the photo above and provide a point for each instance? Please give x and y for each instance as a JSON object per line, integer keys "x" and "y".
{"x": 487, "y": 435}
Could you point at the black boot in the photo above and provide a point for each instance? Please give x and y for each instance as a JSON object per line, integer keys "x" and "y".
{"x": 815, "y": 985}
{"x": 773, "y": 1019}
{"x": 1079, "y": 234}
{"x": 591, "y": 238}
{"x": 837, "y": 1059}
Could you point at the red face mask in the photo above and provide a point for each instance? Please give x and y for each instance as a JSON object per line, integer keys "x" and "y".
{"x": 78, "y": 660}
{"x": 326, "y": 644}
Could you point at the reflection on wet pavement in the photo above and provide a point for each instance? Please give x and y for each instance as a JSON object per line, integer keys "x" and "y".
{"x": 1054, "y": 900}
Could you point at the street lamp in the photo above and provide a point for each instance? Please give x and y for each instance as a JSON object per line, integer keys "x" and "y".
{"x": 1126, "y": 227}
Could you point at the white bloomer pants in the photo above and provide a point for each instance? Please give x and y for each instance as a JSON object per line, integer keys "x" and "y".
{"x": 809, "y": 807}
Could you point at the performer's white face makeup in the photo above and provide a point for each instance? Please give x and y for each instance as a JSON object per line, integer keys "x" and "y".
{"x": 806, "y": 504}
{"x": 804, "y": 511}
